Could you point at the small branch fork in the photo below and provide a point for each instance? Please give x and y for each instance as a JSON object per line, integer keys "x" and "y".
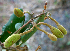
{"x": 17, "y": 48}
{"x": 31, "y": 20}
{"x": 23, "y": 26}
{"x": 40, "y": 29}
{"x": 48, "y": 16}
{"x": 45, "y": 6}
{"x": 34, "y": 25}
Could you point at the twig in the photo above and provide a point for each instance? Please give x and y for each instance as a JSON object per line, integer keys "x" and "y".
{"x": 23, "y": 26}
{"x": 39, "y": 47}
{"x": 27, "y": 23}
{"x": 10, "y": 48}
{"x": 40, "y": 29}
{"x": 26, "y": 32}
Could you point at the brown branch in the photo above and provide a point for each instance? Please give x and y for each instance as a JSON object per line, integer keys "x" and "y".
{"x": 39, "y": 47}
{"x": 23, "y": 26}
{"x": 26, "y": 24}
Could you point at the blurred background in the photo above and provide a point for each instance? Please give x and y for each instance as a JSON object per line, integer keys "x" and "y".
{"x": 59, "y": 9}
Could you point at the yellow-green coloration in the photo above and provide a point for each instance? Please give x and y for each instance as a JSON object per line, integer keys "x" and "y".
{"x": 56, "y": 32}
{"x": 11, "y": 40}
{"x": 52, "y": 37}
{"x": 62, "y": 29}
{"x": 18, "y": 12}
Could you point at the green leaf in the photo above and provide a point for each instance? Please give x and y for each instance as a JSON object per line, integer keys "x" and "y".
{"x": 9, "y": 27}
{"x": 27, "y": 18}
